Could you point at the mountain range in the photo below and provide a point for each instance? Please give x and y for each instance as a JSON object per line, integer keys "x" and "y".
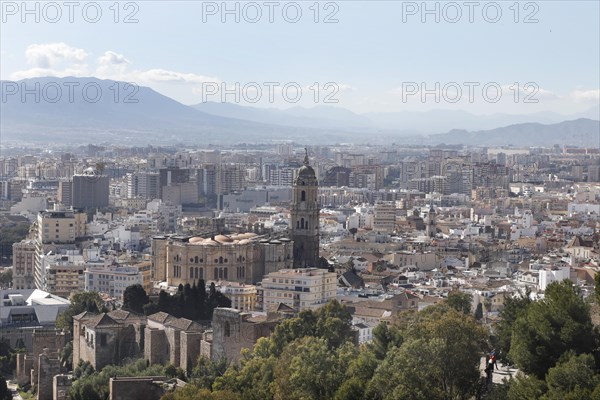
{"x": 89, "y": 109}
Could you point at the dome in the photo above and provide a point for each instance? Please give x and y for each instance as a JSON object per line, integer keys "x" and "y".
{"x": 306, "y": 171}
{"x": 223, "y": 239}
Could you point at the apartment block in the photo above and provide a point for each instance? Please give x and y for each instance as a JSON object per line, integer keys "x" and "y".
{"x": 300, "y": 289}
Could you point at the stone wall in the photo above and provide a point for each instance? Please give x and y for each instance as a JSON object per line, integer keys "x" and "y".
{"x": 190, "y": 349}
{"x": 24, "y": 367}
{"x": 172, "y": 336}
{"x": 143, "y": 387}
{"x": 60, "y": 387}
{"x": 49, "y": 365}
{"x": 156, "y": 349}
{"x": 51, "y": 339}
{"x": 232, "y": 332}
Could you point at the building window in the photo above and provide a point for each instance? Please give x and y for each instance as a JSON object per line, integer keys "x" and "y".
{"x": 227, "y": 329}
{"x": 103, "y": 339}
{"x": 303, "y": 196}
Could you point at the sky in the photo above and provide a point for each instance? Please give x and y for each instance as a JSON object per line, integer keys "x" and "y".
{"x": 367, "y": 56}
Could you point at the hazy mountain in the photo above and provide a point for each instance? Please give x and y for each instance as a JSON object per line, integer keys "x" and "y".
{"x": 108, "y": 110}
{"x": 118, "y": 113}
{"x": 316, "y": 117}
{"x": 579, "y": 132}
{"x": 444, "y": 120}
{"x": 399, "y": 123}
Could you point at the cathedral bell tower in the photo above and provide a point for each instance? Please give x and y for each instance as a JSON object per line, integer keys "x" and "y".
{"x": 305, "y": 217}
{"x": 431, "y": 228}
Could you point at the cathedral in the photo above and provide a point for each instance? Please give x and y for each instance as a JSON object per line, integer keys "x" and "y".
{"x": 304, "y": 219}
{"x": 244, "y": 257}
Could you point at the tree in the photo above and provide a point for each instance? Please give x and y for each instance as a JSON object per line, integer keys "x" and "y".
{"x": 93, "y": 385}
{"x": 8, "y": 236}
{"x": 384, "y": 338}
{"x": 192, "y": 392}
{"x": 353, "y": 231}
{"x": 359, "y": 373}
{"x": 460, "y": 301}
{"x": 513, "y": 308}
{"x": 135, "y": 298}
{"x": 574, "y": 378}
{"x": 597, "y": 287}
{"x": 80, "y": 302}
{"x": 5, "y": 394}
{"x": 6, "y": 278}
{"x": 479, "y": 311}
{"x": 551, "y": 327}
{"x": 526, "y": 387}
{"x": 310, "y": 369}
{"x": 439, "y": 358}
{"x": 206, "y": 371}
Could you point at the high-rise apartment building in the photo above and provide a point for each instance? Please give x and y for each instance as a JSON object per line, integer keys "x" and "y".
{"x": 90, "y": 190}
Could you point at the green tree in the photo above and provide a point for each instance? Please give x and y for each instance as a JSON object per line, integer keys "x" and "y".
{"x": 479, "y": 311}
{"x": 573, "y": 379}
{"x": 6, "y": 278}
{"x": 310, "y": 369}
{"x": 460, "y": 301}
{"x": 359, "y": 373}
{"x": 135, "y": 298}
{"x": 206, "y": 371}
{"x": 66, "y": 356}
{"x": 192, "y": 392}
{"x": 524, "y": 387}
{"x": 439, "y": 358}
{"x": 597, "y": 286}
{"x": 255, "y": 377}
{"x": 80, "y": 302}
{"x": 9, "y": 235}
{"x": 94, "y": 385}
{"x": 5, "y": 394}
{"x": 559, "y": 323}
{"x": 513, "y": 308}
{"x": 384, "y": 338}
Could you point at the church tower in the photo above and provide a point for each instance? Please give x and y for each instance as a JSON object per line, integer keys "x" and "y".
{"x": 431, "y": 228}
{"x": 305, "y": 217}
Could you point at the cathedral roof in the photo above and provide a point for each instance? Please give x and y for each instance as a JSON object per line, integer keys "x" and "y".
{"x": 306, "y": 171}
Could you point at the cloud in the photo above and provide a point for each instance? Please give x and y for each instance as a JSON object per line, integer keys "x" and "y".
{"x": 50, "y": 55}
{"x": 43, "y": 72}
{"x": 162, "y": 75}
{"x": 112, "y": 58}
{"x": 112, "y": 65}
{"x": 585, "y": 96}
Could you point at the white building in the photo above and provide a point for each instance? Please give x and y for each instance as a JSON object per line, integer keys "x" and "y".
{"x": 365, "y": 331}
{"x": 552, "y": 274}
{"x": 112, "y": 280}
{"x": 242, "y": 296}
{"x": 300, "y": 289}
